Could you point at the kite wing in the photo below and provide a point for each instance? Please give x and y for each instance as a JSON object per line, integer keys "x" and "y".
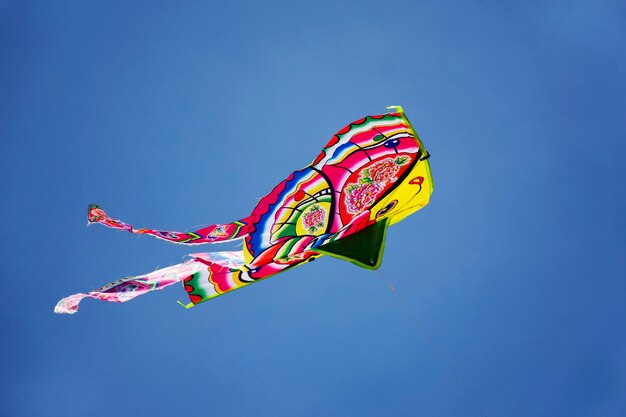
{"x": 372, "y": 173}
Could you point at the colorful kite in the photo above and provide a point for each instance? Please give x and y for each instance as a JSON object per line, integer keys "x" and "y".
{"x": 372, "y": 174}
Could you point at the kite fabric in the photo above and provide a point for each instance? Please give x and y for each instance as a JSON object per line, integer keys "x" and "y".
{"x": 373, "y": 173}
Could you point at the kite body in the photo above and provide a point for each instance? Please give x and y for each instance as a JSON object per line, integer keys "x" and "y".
{"x": 371, "y": 174}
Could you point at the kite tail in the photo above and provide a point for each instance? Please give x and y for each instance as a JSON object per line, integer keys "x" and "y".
{"x": 126, "y": 289}
{"x": 208, "y": 274}
{"x": 210, "y": 234}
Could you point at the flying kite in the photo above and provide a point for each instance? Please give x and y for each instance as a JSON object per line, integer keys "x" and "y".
{"x": 372, "y": 173}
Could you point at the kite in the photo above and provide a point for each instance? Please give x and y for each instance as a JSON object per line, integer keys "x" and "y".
{"x": 372, "y": 173}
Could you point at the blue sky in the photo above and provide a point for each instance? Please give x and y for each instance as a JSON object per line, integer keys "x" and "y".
{"x": 177, "y": 115}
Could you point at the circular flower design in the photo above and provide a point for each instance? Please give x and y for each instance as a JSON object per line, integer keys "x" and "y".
{"x": 383, "y": 171}
{"x": 314, "y": 219}
{"x": 361, "y": 196}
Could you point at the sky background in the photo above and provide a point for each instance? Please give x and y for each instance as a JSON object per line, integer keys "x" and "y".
{"x": 179, "y": 114}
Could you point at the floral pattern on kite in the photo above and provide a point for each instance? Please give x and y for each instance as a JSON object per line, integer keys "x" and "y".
{"x": 372, "y": 182}
{"x": 314, "y": 218}
{"x": 373, "y": 170}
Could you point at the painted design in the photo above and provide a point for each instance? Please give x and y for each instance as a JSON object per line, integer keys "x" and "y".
{"x": 384, "y": 171}
{"x": 371, "y": 170}
{"x": 314, "y": 218}
{"x": 372, "y": 181}
{"x": 360, "y": 196}
{"x": 218, "y": 232}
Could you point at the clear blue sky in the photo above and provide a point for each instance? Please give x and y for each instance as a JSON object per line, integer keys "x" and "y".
{"x": 177, "y": 114}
